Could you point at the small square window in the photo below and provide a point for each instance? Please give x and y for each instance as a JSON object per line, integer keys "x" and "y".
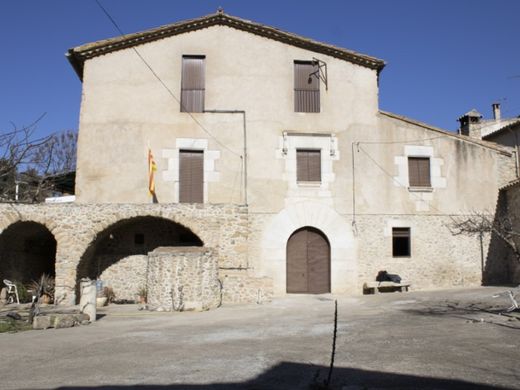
{"x": 139, "y": 239}
{"x": 401, "y": 242}
{"x": 419, "y": 172}
{"x": 308, "y": 165}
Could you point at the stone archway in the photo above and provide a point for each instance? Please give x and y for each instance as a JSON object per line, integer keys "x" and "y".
{"x": 308, "y": 262}
{"x": 119, "y": 254}
{"x": 27, "y": 250}
{"x": 337, "y": 229}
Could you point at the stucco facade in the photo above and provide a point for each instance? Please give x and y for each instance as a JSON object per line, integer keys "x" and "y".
{"x": 253, "y": 201}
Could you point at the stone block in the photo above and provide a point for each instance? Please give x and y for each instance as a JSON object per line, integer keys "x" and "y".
{"x": 64, "y": 321}
{"x": 42, "y": 322}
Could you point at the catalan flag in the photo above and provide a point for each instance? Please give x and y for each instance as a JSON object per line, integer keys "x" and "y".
{"x": 152, "y": 167}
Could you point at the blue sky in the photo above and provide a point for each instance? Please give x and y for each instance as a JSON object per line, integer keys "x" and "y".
{"x": 443, "y": 57}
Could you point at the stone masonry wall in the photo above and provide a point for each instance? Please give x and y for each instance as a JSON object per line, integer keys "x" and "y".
{"x": 75, "y": 226}
{"x": 438, "y": 259}
{"x": 126, "y": 276}
{"x": 513, "y": 209}
{"x": 183, "y": 279}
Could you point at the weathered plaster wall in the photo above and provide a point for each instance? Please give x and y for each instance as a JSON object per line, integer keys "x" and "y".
{"x": 122, "y": 98}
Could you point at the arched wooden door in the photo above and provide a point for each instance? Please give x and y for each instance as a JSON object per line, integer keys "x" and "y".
{"x": 308, "y": 262}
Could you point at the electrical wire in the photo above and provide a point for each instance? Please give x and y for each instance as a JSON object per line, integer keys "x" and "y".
{"x": 400, "y": 142}
{"x": 164, "y": 84}
{"x": 399, "y": 184}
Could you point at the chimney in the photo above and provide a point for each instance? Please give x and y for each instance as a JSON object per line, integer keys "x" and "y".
{"x": 496, "y": 111}
{"x": 469, "y": 124}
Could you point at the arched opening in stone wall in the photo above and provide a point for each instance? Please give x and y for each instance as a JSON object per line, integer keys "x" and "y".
{"x": 118, "y": 255}
{"x": 27, "y": 250}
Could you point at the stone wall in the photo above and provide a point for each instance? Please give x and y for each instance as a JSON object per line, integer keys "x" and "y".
{"x": 126, "y": 276}
{"x": 240, "y": 286}
{"x": 183, "y": 279}
{"x": 438, "y": 258}
{"x": 513, "y": 203}
{"x": 76, "y": 227}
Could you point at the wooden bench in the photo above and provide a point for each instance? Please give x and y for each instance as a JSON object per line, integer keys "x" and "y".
{"x": 375, "y": 286}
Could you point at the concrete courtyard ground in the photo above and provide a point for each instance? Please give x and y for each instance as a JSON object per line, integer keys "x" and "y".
{"x": 449, "y": 339}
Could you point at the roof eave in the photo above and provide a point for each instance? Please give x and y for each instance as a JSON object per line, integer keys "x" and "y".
{"x": 463, "y": 138}
{"x": 78, "y": 55}
{"x": 77, "y": 64}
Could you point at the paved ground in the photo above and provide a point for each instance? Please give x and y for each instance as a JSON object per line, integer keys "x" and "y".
{"x": 451, "y": 339}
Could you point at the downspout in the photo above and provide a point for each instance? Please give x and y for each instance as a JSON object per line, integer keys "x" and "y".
{"x": 245, "y": 141}
{"x": 244, "y": 157}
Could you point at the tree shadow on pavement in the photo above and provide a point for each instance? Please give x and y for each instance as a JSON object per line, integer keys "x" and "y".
{"x": 289, "y": 375}
{"x": 472, "y": 312}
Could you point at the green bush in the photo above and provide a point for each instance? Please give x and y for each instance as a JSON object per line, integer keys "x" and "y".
{"x": 23, "y": 294}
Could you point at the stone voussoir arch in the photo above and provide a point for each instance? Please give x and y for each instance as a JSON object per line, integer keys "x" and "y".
{"x": 337, "y": 231}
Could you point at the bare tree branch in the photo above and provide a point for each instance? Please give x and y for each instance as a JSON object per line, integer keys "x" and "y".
{"x": 26, "y": 161}
{"x": 479, "y": 223}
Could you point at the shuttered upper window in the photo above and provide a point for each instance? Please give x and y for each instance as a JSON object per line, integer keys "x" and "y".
{"x": 191, "y": 176}
{"x": 306, "y": 87}
{"x": 419, "y": 171}
{"x": 193, "y": 84}
{"x": 308, "y": 165}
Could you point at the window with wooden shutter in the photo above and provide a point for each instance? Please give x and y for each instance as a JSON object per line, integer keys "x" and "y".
{"x": 308, "y": 165}
{"x": 193, "y": 84}
{"x": 419, "y": 171}
{"x": 191, "y": 176}
{"x": 306, "y": 87}
{"x": 401, "y": 242}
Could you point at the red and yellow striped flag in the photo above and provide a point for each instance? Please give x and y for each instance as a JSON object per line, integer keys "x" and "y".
{"x": 152, "y": 167}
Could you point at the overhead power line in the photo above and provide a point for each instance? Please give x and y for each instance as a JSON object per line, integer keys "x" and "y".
{"x": 164, "y": 84}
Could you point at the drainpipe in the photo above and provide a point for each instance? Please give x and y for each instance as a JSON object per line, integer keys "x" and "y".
{"x": 245, "y": 141}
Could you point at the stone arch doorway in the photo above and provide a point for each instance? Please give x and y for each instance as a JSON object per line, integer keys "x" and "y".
{"x": 119, "y": 254}
{"x": 308, "y": 262}
{"x": 27, "y": 250}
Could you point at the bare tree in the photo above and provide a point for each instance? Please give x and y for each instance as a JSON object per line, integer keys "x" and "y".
{"x": 479, "y": 223}
{"x": 26, "y": 161}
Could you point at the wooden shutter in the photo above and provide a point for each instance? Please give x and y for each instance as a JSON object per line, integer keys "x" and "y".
{"x": 308, "y": 165}
{"x": 308, "y": 262}
{"x": 193, "y": 84}
{"x": 306, "y": 87}
{"x": 419, "y": 171}
{"x": 191, "y": 176}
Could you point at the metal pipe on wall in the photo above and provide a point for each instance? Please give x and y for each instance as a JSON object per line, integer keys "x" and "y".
{"x": 245, "y": 141}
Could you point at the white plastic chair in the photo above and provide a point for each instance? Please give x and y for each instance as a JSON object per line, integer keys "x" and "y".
{"x": 11, "y": 289}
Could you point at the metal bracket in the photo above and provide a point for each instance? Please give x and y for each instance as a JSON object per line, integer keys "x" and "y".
{"x": 321, "y": 72}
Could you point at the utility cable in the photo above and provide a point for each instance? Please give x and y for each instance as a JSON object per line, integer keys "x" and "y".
{"x": 164, "y": 84}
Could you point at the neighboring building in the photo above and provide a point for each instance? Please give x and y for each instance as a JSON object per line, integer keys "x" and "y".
{"x": 272, "y": 151}
{"x": 503, "y": 131}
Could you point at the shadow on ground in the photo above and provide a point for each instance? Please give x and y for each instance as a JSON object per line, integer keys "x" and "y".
{"x": 472, "y": 312}
{"x": 288, "y": 375}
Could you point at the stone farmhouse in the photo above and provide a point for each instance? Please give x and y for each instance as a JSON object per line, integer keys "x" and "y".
{"x": 276, "y": 173}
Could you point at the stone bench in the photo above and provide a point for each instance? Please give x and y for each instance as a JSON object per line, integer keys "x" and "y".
{"x": 376, "y": 286}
